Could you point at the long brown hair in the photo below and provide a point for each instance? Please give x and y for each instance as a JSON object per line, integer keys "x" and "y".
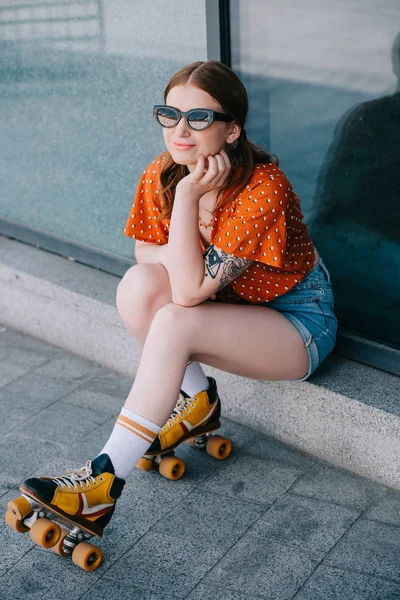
{"x": 220, "y": 82}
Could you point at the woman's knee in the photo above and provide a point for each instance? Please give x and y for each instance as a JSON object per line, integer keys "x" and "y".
{"x": 173, "y": 319}
{"x": 144, "y": 287}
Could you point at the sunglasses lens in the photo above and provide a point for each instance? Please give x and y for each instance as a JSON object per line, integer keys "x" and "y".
{"x": 199, "y": 119}
{"x": 167, "y": 117}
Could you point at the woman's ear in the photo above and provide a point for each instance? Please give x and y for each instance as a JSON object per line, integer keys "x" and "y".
{"x": 234, "y": 133}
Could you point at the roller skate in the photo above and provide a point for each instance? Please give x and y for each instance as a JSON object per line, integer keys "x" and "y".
{"x": 62, "y": 513}
{"x": 193, "y": 420}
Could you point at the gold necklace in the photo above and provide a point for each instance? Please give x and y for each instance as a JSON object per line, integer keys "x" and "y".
{"x": 211, "y": 220}
{"x": 204, "y": 225}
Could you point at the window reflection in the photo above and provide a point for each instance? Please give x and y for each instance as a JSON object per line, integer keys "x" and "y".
{"x": 323, "y": 98}
{"x": 356, "y": 212}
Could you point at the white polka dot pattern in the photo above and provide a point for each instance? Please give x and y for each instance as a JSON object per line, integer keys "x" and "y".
{"x": 263, "y": 224}
{"x": 142, "y": 223}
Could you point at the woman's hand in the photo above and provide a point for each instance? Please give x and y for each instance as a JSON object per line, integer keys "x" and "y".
{"x": 204, "y": 178}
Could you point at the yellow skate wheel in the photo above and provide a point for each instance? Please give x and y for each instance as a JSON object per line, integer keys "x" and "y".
{"x": 19, "y": 507}
{"x": 45, "y": 533}
{"x": 171, "y": 467}
{"x": 190, "y": 441}
{"x": 57, "y": 548}
{"x": 144, "y": 464}
{"x": 87, "y": 556}
{"x": 15, "y": 523}
{"x": 218, "y": 447}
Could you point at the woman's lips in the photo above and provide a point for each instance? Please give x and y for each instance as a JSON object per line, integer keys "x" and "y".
{"x": 183, "y": 146}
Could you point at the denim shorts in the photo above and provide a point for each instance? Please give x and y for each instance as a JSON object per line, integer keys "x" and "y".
{"x": 310, "y": 307}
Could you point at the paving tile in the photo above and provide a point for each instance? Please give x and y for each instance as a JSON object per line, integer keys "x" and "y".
{"x": 30, "y": 394}
{"x": 147, "y": 497}
{"x": 21, "y": 356}
{"x": 386, "y": 509}
{"x": 12, "y": 414}
{"x": 254, "y": 479}
{"x": 8, "y": 482}
{"x": 199, "y": 465}
{"x": 240, "y": 435}
{"x": 10, "y": 371}
{"x": 369, "y": 547}
{"x": 11, "y": 337}
{"x": 166, "y": 562}
{"x": 89, "y": 444}
{"x": 69, "y": 367}
{"x": 339, "y": 486}
{"x": 34, "y": 392}
{"x": 227, "y": 519}
{"x": 105, "y": 405}
{"x": 108, "y": 382}
{"x": 21, "y": 455}
{"x": 310, "y": 524}
{"x": 336, "y": 584}
{"x": 262, "y": 568}
{"x": 42, "y": 574}
{"x": 63, "y": 421}
{"x": 203, "y": 592}
{"x": 267, "y": 447}
{"x": 109, "y": 588}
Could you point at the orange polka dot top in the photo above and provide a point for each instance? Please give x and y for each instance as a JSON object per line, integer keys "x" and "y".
{"x": 263, "y": 224}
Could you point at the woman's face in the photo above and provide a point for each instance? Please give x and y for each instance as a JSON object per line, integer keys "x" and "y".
{"x": 194, "y": 143}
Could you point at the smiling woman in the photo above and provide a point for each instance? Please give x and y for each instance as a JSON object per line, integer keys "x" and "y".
{"x": 273, "y": 318}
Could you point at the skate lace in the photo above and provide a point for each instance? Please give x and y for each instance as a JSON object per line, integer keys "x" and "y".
{"x": 183, "y": 405}
{"x": 75, "y": 477}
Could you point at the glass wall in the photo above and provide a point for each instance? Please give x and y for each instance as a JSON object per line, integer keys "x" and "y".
{"x": 78, "y": 80}
{"x": 323, "y": 81}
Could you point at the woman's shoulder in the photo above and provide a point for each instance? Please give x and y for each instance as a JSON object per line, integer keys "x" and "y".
{"x": 149, "y": 181}
{"x": 267, "y": 173}
{"x": 155, "y": 166}
{"x": 267, "y": 188}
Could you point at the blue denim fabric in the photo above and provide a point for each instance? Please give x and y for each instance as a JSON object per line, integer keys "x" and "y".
{"x": 310, "y": 307}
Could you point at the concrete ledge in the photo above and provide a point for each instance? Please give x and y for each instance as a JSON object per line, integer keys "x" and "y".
{"x": 347, "y": 414}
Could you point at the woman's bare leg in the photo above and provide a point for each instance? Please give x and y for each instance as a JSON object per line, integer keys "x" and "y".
{"x": 143, "y": 290}
{"x": 251, "y": 341}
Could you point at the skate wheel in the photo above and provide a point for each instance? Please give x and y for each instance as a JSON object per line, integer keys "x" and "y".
{"x": 87, "y": 556}
{"x": 15, "y": 523}
{"x": 145, "y": 464}
{"x": 19, "y": 507}
{"x": 172, "y": 467}
{"x": 191, "y": 442}
{"x": 57, "y": 548}
{"x": 218, "y": 447}
{"x": 45, "y": 533}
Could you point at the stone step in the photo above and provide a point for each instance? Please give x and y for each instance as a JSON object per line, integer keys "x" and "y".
{"x": 347, "y": 413}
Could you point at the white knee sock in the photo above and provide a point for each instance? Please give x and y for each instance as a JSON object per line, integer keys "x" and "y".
{"x": 195, "y": 380}
{"x": 131, "y": 437}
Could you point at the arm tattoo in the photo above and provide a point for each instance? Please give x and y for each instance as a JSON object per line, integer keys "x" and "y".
{"x": 232, "y": 266}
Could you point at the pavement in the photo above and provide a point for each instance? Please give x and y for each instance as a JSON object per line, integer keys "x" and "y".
{"x": 270, "y": 522}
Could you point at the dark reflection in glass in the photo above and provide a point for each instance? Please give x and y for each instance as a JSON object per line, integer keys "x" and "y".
{"x": 355, "y": 220}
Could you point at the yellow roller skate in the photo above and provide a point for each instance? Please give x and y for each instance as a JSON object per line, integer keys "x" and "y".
{"x": 63, "y": 512}
{"x": 192, "y": 420}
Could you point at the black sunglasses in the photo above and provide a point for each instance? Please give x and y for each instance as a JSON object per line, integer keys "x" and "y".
{"x": 196, "y": 118}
